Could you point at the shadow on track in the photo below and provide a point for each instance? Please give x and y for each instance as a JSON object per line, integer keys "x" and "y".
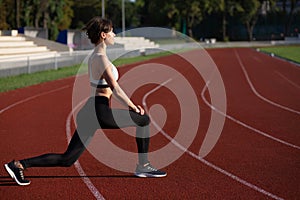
{"x": 7, "y": 180}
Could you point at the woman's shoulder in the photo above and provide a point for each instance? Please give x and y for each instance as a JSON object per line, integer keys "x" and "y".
{"x": 100, "y": 57}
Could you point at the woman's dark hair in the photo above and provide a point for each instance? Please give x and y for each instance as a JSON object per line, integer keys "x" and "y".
{"x": 95, "y": 27}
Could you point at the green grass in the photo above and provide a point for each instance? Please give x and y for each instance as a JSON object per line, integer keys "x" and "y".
{"x": 24, "y": 80}
{"x": 124, "y": 61}
{"x": 172, "y": 41}
{"x": 291, "y": 53}
{"x": 14, "y": 82}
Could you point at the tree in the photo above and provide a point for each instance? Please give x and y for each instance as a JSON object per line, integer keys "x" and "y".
{"x": 250, "y": 11}
{"x": 187, "y": 13}
{"x": 85, "y": 10}
{"x": 68, "y": 14}
{"x": 57, "y": 16}
{"x": 225, "y": 8}
{"x": 49, "y": 14}
{"x": 289, "y": 16}
{"x": 3, "y": 23}
{"x": 193, "y": 14}
{"x": 249, "y": 15}
{"x": 153, "y": 12}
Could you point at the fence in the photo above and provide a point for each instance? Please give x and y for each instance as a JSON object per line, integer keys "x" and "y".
{"x": 16, "y": 65}
{"x": 10, "y": 66}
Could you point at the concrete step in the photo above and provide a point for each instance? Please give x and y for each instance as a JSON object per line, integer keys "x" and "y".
{"x": 22, "y": 50}
{"x": 130, "y": 38}
{"x": 31, "y": 56}
{"x": 126, "y": 40}
{"x": 134, "y": 43}
{"x": 12, "y": 38}
{"x": 7, "y": 44}
{"x": 138, "y": 46}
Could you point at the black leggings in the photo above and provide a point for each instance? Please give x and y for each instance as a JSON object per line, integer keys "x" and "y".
{"x": 96, "y": 114}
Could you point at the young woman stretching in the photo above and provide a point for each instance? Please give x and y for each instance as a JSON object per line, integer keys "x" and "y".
{"x": 96, "y": 113}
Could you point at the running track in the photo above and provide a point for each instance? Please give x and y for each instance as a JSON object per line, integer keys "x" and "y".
{"x": 256, "y": 157}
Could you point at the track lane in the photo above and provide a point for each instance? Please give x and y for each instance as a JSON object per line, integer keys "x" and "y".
{"x": 29, "y": 128}
{"x": 194, "y": 180}
{"x": 258, "y": 94}
{"x": 256, "y": 162}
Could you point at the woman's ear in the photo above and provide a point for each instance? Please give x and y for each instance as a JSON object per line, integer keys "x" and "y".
{"x": 103, "y": 35}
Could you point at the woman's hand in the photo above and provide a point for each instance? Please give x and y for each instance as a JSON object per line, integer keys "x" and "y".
{"x": 138, "y": 109}
{"x": 142, "y": 111}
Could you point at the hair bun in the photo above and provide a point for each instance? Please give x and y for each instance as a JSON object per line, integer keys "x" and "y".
{"x": 95, "y": 27}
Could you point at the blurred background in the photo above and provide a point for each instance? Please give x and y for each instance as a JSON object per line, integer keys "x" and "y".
{"x": 225, "y": 20}
{"x": 38, "y": 35}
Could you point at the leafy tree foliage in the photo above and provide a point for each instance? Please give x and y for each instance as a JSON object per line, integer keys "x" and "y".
{"x": 225, "y": 8}
{"x": 3, "y": 13}
{"x": 288, "y": 16}
{"x": 183, "y": 15}
{"x": 49, "y": 14}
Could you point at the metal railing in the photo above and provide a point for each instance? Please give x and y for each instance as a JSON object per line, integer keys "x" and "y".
{"x": 15, "y": 65}
{"x": 20, "y": 64}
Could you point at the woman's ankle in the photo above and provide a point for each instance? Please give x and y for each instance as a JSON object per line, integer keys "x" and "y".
{"x": 19, "y": 165}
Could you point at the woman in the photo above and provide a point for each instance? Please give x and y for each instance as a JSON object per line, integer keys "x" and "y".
{"x": 96, "y": 113}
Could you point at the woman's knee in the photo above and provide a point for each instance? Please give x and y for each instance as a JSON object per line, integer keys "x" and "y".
{"x": 144, "y": 120}
{"x": 67, "y": 162}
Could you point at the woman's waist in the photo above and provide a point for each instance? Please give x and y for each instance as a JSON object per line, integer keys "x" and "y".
{"x": 101, "y": 95}
{"x": 99, "y": 99}
{"x": 106, "y": 92}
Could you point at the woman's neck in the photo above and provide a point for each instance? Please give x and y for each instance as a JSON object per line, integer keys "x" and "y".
{"x": 100, "y": 48}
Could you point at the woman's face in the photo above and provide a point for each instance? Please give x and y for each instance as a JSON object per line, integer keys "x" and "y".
{"x": 110, "y": 38}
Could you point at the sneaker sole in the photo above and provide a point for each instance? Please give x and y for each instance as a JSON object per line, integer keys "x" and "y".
{"x": 146, "y": 175}
{"x": 12, "y": 174}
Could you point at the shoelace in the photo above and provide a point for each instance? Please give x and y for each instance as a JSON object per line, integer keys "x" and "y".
{"x": 21, "y": 173}
{"x": 17, "y": 165}
{"x": 149, "y": 167}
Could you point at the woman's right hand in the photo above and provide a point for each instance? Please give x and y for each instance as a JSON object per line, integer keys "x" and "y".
{"x": 139, "y": 109}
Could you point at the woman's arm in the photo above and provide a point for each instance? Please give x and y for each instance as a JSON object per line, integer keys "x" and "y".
{"x": 118, "y": 92}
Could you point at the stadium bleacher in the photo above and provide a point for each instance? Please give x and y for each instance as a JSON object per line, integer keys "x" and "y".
{"x": 19, "y": 46}
{"x": 131, "y": 43}
{"x": 24, "y": 54}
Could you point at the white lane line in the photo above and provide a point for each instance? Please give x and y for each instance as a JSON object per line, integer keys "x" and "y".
{"x": 259, "y": 95}
{"x": 32, "y": 97}
{"x": 152, "y": 91}
{"x": 209, "y": 164}
{"x": 78, "y": 167}
{"x": 288, "y": 80}
{"x": 244, "y": 124}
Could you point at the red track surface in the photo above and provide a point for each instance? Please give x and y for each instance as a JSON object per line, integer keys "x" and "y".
{"x": 245, "y": 164}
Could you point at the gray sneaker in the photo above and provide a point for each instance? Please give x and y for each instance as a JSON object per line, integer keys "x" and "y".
{"x": 148, "y": 171}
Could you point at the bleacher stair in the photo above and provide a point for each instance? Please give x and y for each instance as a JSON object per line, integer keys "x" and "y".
{"x": 135, "y": 43}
